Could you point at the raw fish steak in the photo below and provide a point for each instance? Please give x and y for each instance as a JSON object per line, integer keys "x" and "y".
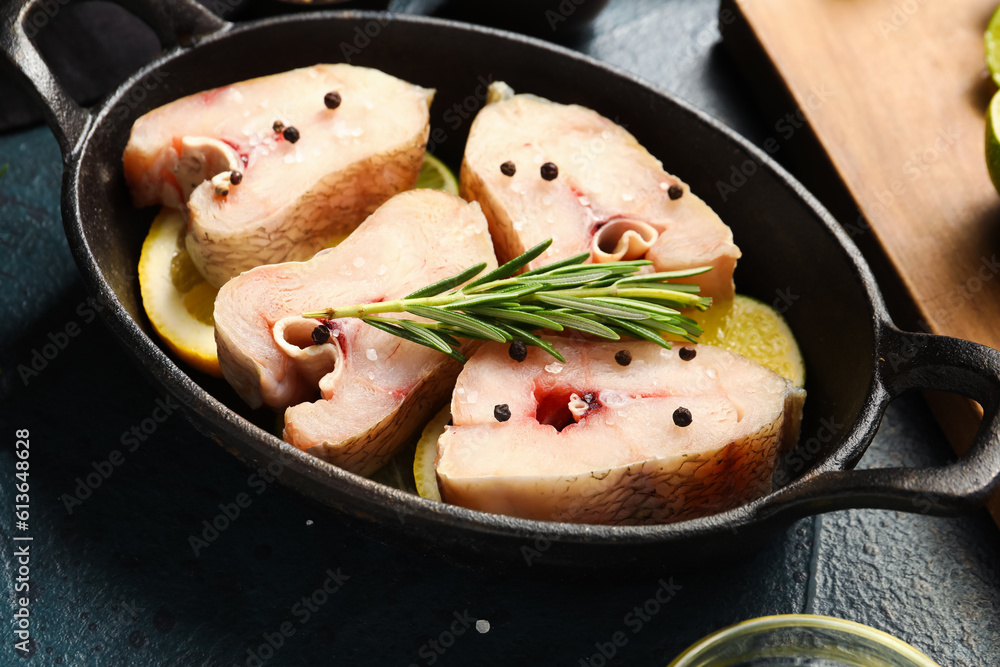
{"x": 353, "y": 393}
{"x": 624, "y": 432}
{"x": 305, "y": 173}
{"x": 541, "y": 169}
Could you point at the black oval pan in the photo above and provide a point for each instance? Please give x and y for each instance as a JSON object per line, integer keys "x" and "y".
{"x": 793, "y": 253}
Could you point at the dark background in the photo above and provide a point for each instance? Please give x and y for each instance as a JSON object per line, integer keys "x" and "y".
{"x": 115, "y": 580}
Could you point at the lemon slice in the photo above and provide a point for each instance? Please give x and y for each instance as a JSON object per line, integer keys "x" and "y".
{"x": 992, "y": 39}
{"x": 993, "y": 142}
{"x": 434, "y": 175}
{"x": 177, "y": 300}
{"x": 756, "y": 331}
{"x": 424, "y": 473}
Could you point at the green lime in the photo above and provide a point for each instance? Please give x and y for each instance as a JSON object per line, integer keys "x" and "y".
{"x": 992, "y": 39}
{"x": 435, "y": 176}
{"x": 993, "y": 142}
{"x": 424, "y": 473}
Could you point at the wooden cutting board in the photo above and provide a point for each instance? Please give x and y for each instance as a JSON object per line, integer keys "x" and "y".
{"x": 895, "y": 94}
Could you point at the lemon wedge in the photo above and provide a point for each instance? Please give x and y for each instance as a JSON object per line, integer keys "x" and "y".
{"x": 756, "y": 331}
{"x": 424, "y": 473}
{"x": 177, "y": 300}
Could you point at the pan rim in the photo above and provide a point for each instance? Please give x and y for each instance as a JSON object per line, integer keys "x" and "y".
{"x": 368, "y": 494}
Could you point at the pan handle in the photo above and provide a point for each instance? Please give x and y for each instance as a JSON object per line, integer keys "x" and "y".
{"x": 916, "y": 361}
{"x": 174, "y": 22}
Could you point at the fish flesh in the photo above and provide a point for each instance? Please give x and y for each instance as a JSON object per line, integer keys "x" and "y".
{"x": 625, "y": 432}
{"x": 358, "y": 395}
{"x": 541, "y": 169}
{"x": 305, "y": 173}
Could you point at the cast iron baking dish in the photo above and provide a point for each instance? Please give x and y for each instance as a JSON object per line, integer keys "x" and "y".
{"x": 793, "y": 253}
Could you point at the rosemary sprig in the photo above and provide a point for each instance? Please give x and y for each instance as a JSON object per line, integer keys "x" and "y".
{"x": 606, "y": 300}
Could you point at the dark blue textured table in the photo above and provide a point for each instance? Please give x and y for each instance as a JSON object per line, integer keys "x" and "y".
{"x": 115, "y": 580}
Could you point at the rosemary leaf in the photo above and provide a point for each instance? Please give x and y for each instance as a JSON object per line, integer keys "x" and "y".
{"x": 653, "y": 308}
{"x": 536, "y": 321}
{"x": 548, "y": 268}
{"x": 431, "y": 337}
{"x": 448, "y": 283}
{"x": 512, "y": 266}
{"x": 576, "y": 278}
{"x": 583, "y": 324}
{"x": 400, "y": 332}
{"x": 592, "y": 306}
{"x": 664, "y": 275}
{"x": 460, "y": 322}
{"x": 639, "y": 331}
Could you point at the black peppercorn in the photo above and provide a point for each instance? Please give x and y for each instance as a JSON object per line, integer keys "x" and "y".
{"x": 508, "y": 168}
{"x": 549, "y": 171}
{"x": 235, "y": 177}
{"x": 290, "y": 134}
{"x": 518, "y": 351}
{"x": 623, "y": 357}
{"x": 321, "y": 334}
{"x": 687, "y": 353}
{"x": 278, "y": 126}
{"x": 675, "y": 192}
{"x": 332, "y": 99}
{"x": 501, "y": 412}
{"x": 682, "y": 417}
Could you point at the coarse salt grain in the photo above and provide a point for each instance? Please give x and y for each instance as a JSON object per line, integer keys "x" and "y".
{"x": 371, "y": 354}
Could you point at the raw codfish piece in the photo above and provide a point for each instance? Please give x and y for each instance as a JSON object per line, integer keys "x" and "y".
{"x": 541, "y": 169}
{"x": 268, "y": 172}
{"x": 354, "y": 393}
{"x": 670, "y": 435}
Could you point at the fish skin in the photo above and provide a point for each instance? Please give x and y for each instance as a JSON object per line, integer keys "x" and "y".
{"x": 626, "y": 462}
{"x": 375, "y": 390}
{"x": 293, "y": 197}
{"x": 594, "y": 156}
